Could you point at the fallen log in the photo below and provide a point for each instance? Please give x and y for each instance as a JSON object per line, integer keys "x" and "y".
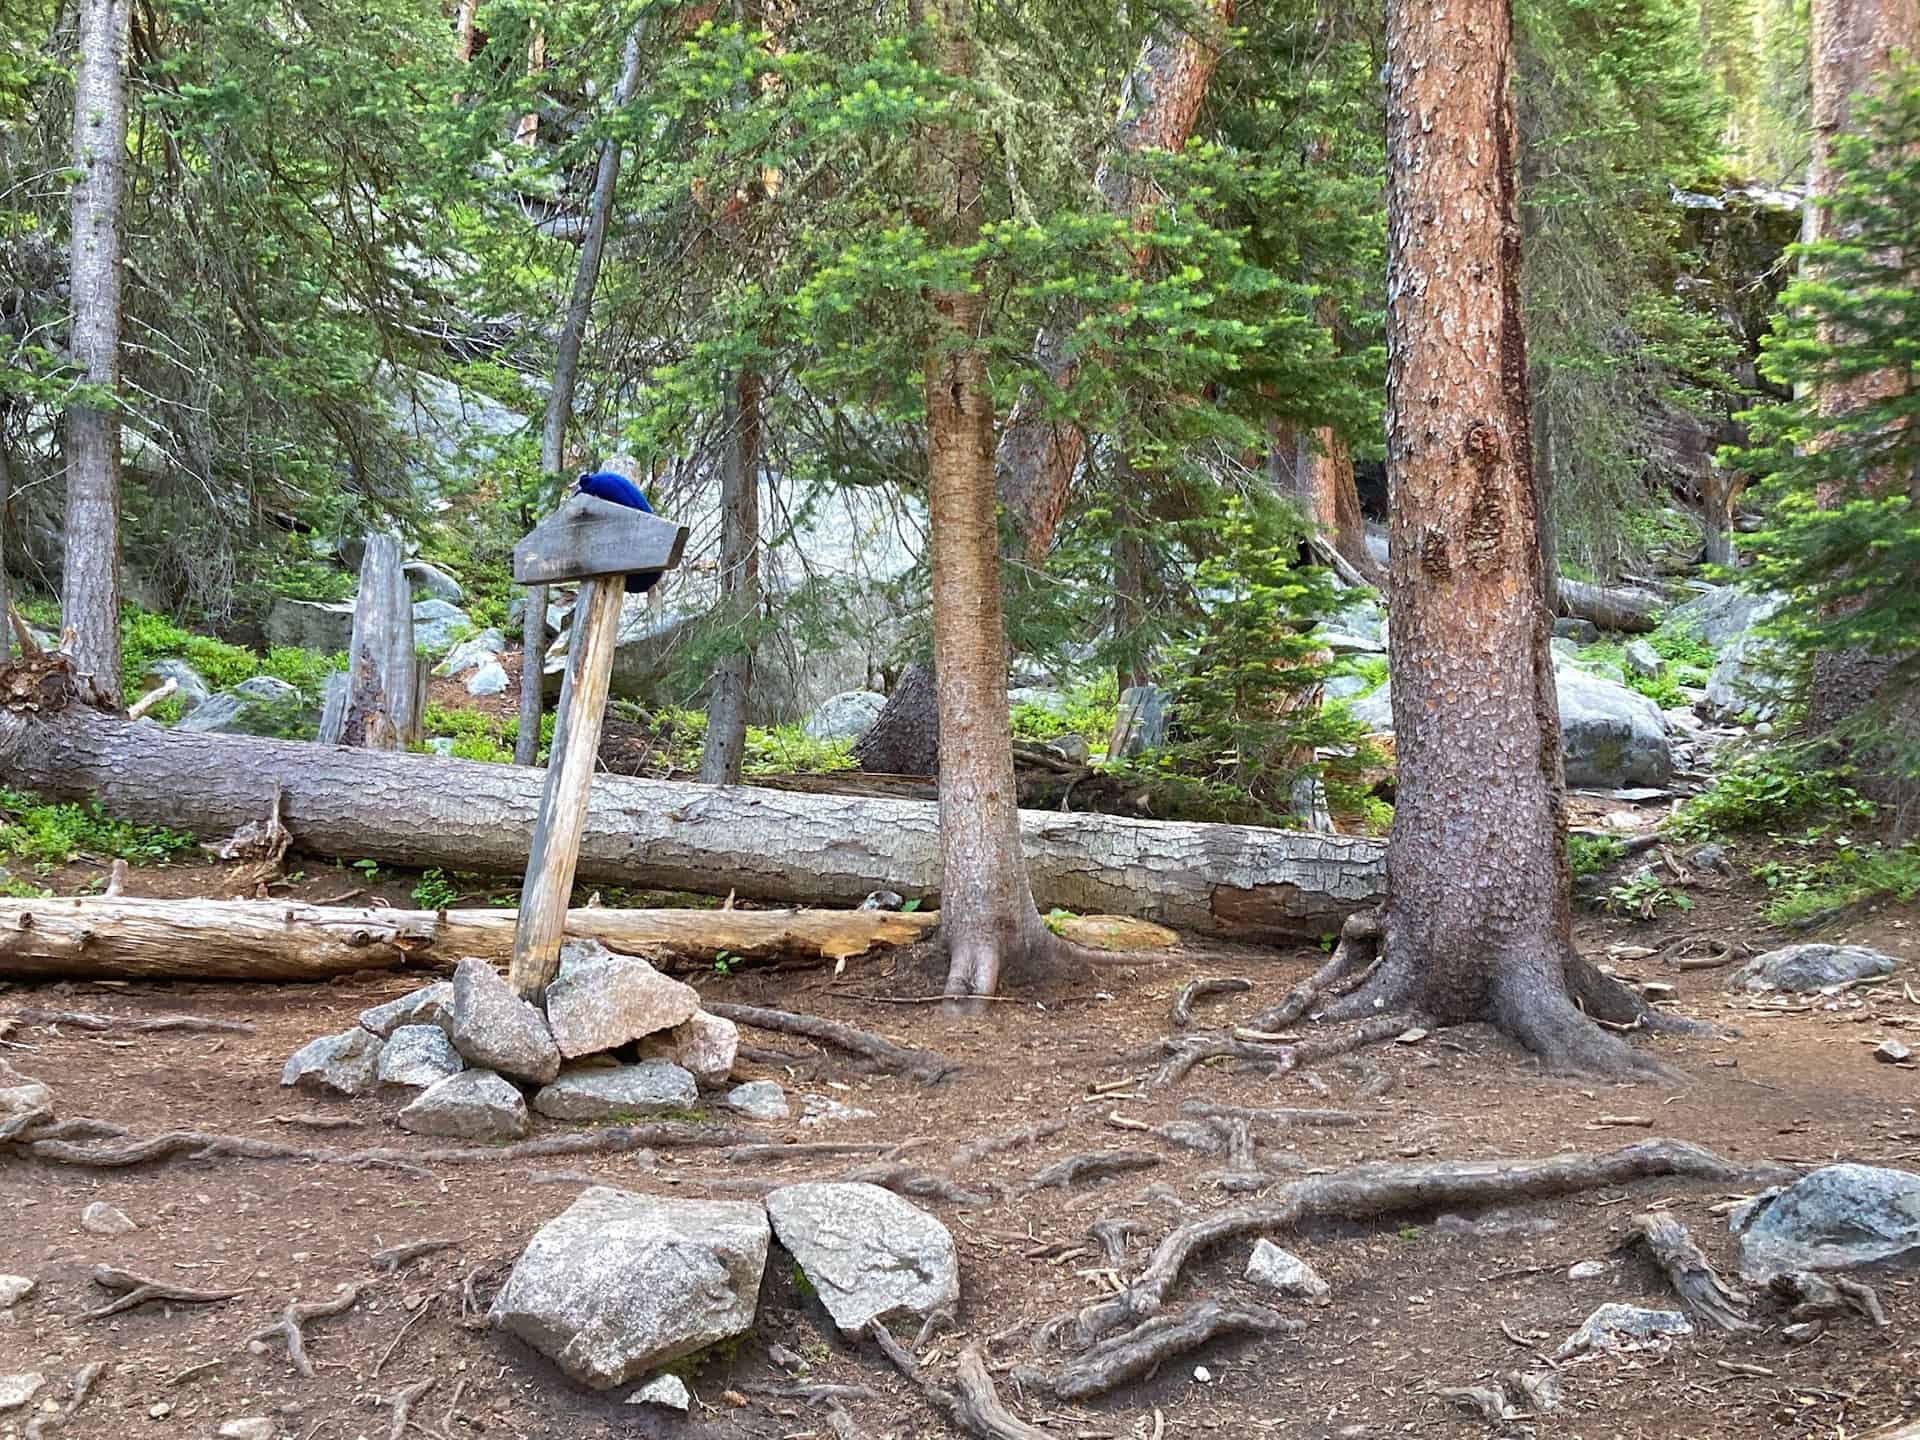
{"x": 1611, "y": 607}
{"x": 427, "y": 811}
{"x": 122, "y": 939}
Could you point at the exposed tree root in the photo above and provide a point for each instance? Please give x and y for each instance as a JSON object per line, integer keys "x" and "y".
{"x": 922, "y": 1065}
{"x": 83, "y": 1382}
{"x": 289, "y": 1328}
{"x": 975, "y": 1151}
{"x": 974, "y": 1404}
{"x": 808, "y": 1393}
{"x": 15, "y": 1126}
{"x": 1112, "y": 1236}
{"x": 135, "y": 1290}
{"x": 403, "y": 1403}
{"x": 1827, "y": 1297}
{"x": 1187, "y": 1053}
{"x": 1123, "y": 1358}
{"x": 904, "y": 1179}
{"x": 1090, "y": 1165}
{"x": 817, "y": 1150}
{"x": 1197, "y": 990}
{"x": 132, "y": 1024}
{"x": 1359, "y": 944}
{"x": 1206, "y": 1110}
{"x": 1364, "y": 1191}
{"x": 396, "y": 1256}
{"x": 1691, "y": 1274}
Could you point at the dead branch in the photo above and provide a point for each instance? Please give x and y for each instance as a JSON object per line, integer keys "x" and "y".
{"x": 922, "y": 1065}
{"x": 817, "y": 1150}
{"x": 1114, "y": 1362}
{"x": 1827, "y": 1297}
{"x": 1185, "y": 1054}
{"x": 132, "y": 1024}
{"x": 1196, "y": 990}
{"x": 396, "y": 1256}
{"x": 808, "y": 1393}
{"x": 1366, "y": 1191}
{"x": 394, "y": 1344}
{"x": 1691, "y": 1274}
{"x": 1091, "y": 1164}
{"x": 403, "y": 1402}
{"x": 1113, "y": 1236}
{"x": 290, "y": 1326}
{"x": 974, "y": 1406}
{"x": 1360, "y": 937}
{"x": 1258, "y": 1115}
{"x": 83, "y": 1382}
{"x": 904, "y": 1179}
{"x": 137, "y": 1290}
{"x": 976, "y": 1150}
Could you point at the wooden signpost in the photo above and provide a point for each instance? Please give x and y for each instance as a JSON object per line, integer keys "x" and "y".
{"x": 598, "y": 544}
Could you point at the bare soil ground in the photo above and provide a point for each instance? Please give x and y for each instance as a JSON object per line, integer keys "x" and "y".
{"x": 1416, "y": 1307}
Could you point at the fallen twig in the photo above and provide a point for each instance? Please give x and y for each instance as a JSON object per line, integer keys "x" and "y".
{"x": 396, "y": 1256}
{"x": 1195, "y": 991}
{"x": 1114, "y": 1362}
{"x": 412, "y": 1320}
{"x": 403, "y": 1402}
{"x": 1206, "y": 1110}
{"x": 139, "y": 1289}
{"x": 132, "y": 1024}
{"x": 809, "y": 1393}
{"x": 1691, "y": 1274}
{"x": 923, "y": 1065}
{"x": 289, "y": 1327}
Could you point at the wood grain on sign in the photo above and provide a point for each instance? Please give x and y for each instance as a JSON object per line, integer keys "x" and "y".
{"x": 587, "y": 537}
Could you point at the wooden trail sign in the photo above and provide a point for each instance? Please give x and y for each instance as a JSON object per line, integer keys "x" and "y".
{"x": 598, "y": 544}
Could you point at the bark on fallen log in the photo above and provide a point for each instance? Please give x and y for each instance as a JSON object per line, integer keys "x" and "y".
{"x": 1611, "y": 607}
{"x": 128, "y": 939}
{"x": 426, "y": 811}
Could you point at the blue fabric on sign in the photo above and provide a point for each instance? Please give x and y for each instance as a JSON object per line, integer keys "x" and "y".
{"x": 616, "y": 489}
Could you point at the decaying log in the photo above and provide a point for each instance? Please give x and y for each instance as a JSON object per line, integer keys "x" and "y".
{"x": 120, "y": 938}
{"x": 1611, "y": 607}
{"x": 766, "y": 845}
{"x": 383, "y": 702}
{"x": 1691, "y": 1274}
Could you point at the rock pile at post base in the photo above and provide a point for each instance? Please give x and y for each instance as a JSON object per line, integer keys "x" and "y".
{"x": 473, "y": 1060}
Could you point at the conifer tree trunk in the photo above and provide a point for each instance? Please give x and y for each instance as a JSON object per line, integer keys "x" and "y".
{"x": 1158, "y": 107}
{"x": 726, "y": 743}
{"x": 559, "y": 412}
{"x": 1478, "y": 921}
{"x": 1853, "y": 41}
{"x": 6, "y": 520}
{"x": 988, "y": 917}
{"x": 90, "y": 579}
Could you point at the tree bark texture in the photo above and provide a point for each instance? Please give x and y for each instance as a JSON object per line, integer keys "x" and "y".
{"x": 90, "y": 577}
{"x": 128, "y": 939}
{"x": 1478, "y": 915}
{"x": 566, "y": 375}
{"x": 991, "y": 920}
{"x": 1611, "y": 607}
{"x": 726, "y": 744}
{"x": 6, "y": 521}
{"x": 904, "y": 738}
{"x": 1853, "y": 42}
{"x": 768, "y": 845}
{"x": 1159, "y": 103}
{"x": 1326, "y": 463}
{"x": 384, "y": 706}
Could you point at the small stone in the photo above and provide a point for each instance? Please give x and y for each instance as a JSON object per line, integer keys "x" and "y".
{"x": 667, "y": 1391}
{"x": 1805, "y": 969}
{"x": 602, "y": 1006}
{"x": 1202, "y": 1375}
{"x": 760, "y": 1100}
{"x": 14, "y": 1289}
{"x": 653, "y": 1087}
{"x": 159, "y": 1410}
{"x": 473, "y": 1105}
{"x": 1285, "y": 1273}
{"x": 704, "y": 1046}
{"x": 346, "y": 1064}
{"x": 248, "y": 1427}
{"x": 417, "y": 1056}
{"x": 1803, "y": 1331}
{"x": 1410, "y": 1037}
{"x": 19, "y": 1094}
{"x": 1619, "y": 1328}
{"x": 101, "y": 1218}
{"x": 1587, "y": 1270}
{"x": 1892, "y": 1052}
{"x": 494, "y": 1029}
{"x": 1643, "y": 660}
{"x": 823, "y": 1110}
{"x": 432, "y": 1005}
{"x": 883, "y": 900}
{"x": 18, "y": 1390}
{"x": 1658, "y": 990}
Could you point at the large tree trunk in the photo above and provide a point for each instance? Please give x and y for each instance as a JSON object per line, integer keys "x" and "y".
{"x": 991, "y": 921}
{"x": 6, "y": 521}
{"x": 90, "y": 579}
{"x": 123, "y": 938}
{"x": 1326, "y": 463}
{"x": 768, "y": 845}
{"x": 1158, "y": 106}
{"x": 726, "y": 745}
{"x": 1478, "y": 914}
{"x": 1853, "y": 43}
{"x": 559, "y": 412}
{"x": 904, "y": 738}
{"x": 383, "y": 705}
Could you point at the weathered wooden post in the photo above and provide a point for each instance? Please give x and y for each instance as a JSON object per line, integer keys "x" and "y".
{"x": 598, "y": 544}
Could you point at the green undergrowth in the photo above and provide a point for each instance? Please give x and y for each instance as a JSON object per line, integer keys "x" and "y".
{"x": 1770, "y": 790}
{"x": 45, "y": 835}
{"x": 1843, "y": 874}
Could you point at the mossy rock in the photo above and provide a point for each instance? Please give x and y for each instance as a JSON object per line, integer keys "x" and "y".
{"x": 1115, "y": 932}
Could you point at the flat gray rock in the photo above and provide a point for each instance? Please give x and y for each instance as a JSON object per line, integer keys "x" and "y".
{"x": 247, "y": 1427}
{"x": 482, "y": 649}
{"x": 846, "y": 716}
{"x": 18, "y": 1390}
{"x": 1619, "y": 1328}
{"x": 704, "y": 1046}
{"x": 488, "y": 679}
{"x": 18, "y": 1094}
{"x": 344, "y": 1064}
{"x": 1805, "y": 969}
{"x": 419, "y": 1056}
{"x": 760, "y": 1100}
{"x": 431, "y": 1005}
{"x": 473, "y": 1105}
{"x": 100, "y": 1218}
{"x": 14, "y": 1289}
{"x": 494, "y": 1029}
{"x": 667, "y": 1391}
{"x": 867, "y": 1253}
{"x": 652, "y": 1087}
{"x": 1285, "y": 1273}
{"x": 595, "y": 1007}
{"x": 1841, "y": 1217}
{"x": 620, "y": 1284}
